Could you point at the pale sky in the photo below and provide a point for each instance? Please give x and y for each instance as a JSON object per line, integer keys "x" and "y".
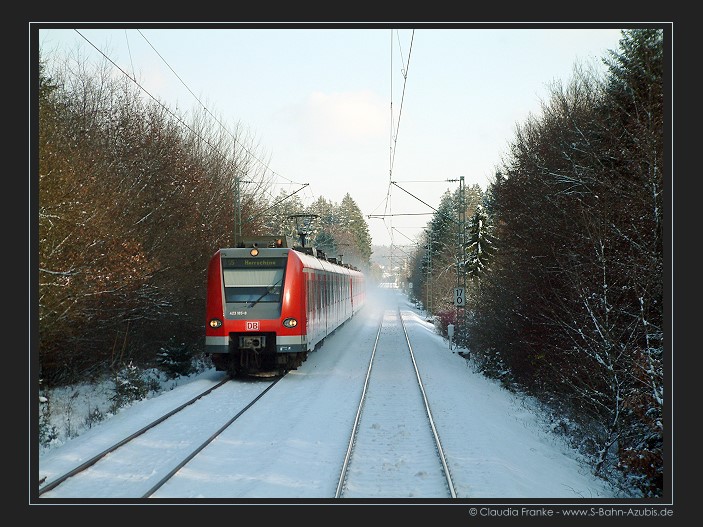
{"x": 348, "y": 110}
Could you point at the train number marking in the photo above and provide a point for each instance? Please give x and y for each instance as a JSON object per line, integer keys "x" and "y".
{"x": 253, "y": 326}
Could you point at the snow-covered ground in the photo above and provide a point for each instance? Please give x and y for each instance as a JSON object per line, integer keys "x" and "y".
{"x": 498, "y": 444}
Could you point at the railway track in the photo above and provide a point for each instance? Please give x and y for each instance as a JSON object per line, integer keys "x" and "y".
{"x": 415, "y": 450}
{"x": 363, "y": 441}
{"x": 134, "y": 485}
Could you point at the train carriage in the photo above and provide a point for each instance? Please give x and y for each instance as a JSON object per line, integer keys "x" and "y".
{"x": 269, "y": 304}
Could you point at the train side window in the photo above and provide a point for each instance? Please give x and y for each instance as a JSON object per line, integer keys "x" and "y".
{"x": 318, "y": 293}
{"x": 313, "y": 293}
{"x": 322, "y": 291}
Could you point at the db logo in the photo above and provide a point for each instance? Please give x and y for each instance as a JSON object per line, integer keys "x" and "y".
{"x": 252, "y": 326}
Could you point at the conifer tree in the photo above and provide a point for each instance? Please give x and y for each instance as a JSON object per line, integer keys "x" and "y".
{"x": 352, "y": 220}
{"x": 279, "y": 219}
{"x": 479, "y": 246}
{"x": 326, "y": 222}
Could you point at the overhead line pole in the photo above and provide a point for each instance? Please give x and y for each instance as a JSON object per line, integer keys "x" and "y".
{"x": 399, "y": 214}
{"x": 238, "y": 208}
{"x": 424, "y": 203}
{"x": 460, "y": 268}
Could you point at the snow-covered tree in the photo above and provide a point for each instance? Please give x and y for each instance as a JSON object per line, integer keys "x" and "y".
{"x": 572, "y": 306}
{"x": 279, "y": 217}
{"x": 479, "y": 245}
{"x": 353, "y": 230}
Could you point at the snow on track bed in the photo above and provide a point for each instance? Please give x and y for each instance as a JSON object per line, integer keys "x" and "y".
{"x": 394, "y": 454}
{"x": 292, "y": 443}
{"x": 145, "y": 459}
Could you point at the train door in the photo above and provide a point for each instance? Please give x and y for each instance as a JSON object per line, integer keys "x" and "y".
{"x": 324, "y": 302}
{"x": 313, "y": 312}
{"x": 309, "y": 307}
{"x": 335, "y": 292}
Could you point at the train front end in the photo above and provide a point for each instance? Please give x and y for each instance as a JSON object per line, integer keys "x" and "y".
{"x": 254, "y": 321}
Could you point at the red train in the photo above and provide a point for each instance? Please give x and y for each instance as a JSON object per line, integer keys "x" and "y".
{"x": 269, "y": 304}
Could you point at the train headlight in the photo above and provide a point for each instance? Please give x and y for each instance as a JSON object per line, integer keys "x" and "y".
{"x": 290, "y": 322}
{"x": 215, "y": 323}
{"x": 254, "y": 252}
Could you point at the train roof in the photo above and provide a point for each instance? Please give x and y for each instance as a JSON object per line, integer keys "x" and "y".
{"x": 311, "y": 256}
{"x": 316, "y": 262}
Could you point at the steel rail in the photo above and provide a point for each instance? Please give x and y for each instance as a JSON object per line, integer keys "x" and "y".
{"x": 355, "y": 427}
{"x": 207, "y": 442}
{"x": 440, "y": 452}
{"x": 80, "y": 468}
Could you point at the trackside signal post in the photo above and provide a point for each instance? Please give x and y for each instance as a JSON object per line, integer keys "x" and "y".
{"x": 460, "y": 289}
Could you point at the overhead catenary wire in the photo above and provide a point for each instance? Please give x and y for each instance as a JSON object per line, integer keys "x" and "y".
{"x": 177, "y": 117}
{"x": 304, "y": 186}
{"x": 404, "y": 72}
{"x": 394, "y": 127}
{"x": 396, "y": 45}
{"x": 157, "y": 101}
{"x": 129, "y": 51}
{"x": 424, "y": 202}
{"x": 264, "y": 164}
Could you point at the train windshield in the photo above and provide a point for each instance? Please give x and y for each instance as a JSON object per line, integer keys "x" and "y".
{"x": 253, "y": 285}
